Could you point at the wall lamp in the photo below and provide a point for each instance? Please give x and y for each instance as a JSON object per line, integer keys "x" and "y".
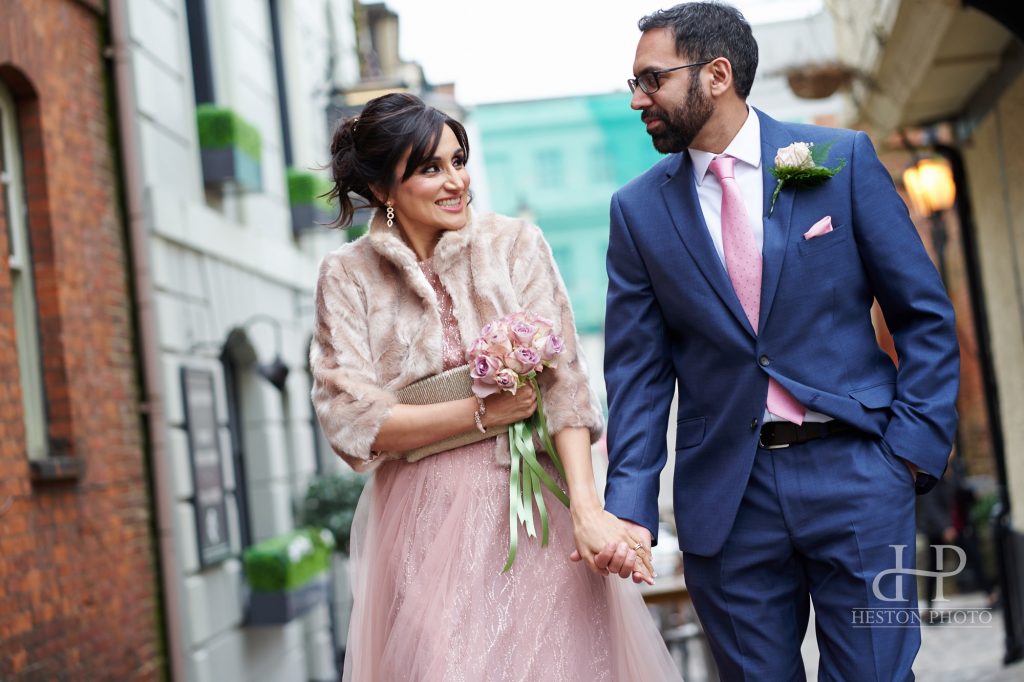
{"x": 929, "y": 183}
{"x": 275, "y": 371}
{"x": 932, "y": 191}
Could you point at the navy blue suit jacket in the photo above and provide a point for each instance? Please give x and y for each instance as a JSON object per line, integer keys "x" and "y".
{"x": 674, "y": 321}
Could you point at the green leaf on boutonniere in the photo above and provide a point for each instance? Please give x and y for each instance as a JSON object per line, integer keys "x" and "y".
{"x": 807, "y": 175}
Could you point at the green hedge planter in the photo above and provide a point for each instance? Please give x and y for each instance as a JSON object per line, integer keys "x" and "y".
{"x": 231, "y": 148}
{"x": 287, "y": 575}
{"x": 304, "y": 194}
{"x": 330, "y": 503}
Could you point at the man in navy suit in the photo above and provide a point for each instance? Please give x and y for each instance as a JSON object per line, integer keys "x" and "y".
{"x": 813, "y": 500}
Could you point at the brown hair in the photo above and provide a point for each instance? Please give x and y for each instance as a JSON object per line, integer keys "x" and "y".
{"x": 366, "y": 149}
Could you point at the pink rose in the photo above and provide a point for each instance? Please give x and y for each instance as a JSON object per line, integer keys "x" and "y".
{"x": 523, "y": 331}
{"x": 485, "y": 367}
{"x": 494, "y": 333}
{"x": 482, "y": 389}
{"x": 507, "y": 380}
{"x": 796, "y": 155}
{"x": 524, "y": 360}
{"x": 488, "y": 329}
{"x": 553, "y": 346}
{"x": 499, "y": 348}
{"x": 479, "y": 347}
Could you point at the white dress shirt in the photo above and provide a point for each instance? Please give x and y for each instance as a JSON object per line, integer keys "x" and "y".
{"x": 746, "y": 149}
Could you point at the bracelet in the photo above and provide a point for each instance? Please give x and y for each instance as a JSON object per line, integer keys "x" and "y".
{"x": 481, "y": 410}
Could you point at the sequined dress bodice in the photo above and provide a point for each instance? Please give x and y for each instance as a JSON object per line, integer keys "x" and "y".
{"x": 454, "y": 356}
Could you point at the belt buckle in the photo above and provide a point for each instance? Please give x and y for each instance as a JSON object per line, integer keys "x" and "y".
{"x": 771, "y": 447}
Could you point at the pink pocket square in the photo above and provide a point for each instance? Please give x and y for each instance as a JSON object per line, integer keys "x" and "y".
{"x": 823, "y": 226}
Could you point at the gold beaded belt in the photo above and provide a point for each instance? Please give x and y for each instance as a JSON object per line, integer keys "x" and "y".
{"x": 452, "y": 384}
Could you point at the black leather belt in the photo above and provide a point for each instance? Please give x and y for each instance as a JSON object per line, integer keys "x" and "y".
{"x": 776, "y": 435}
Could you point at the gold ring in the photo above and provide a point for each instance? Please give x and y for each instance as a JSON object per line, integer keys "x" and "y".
{"x": 638, "y": 547}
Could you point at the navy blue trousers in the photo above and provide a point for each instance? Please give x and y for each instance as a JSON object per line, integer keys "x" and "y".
{"x": 818, "y": 522}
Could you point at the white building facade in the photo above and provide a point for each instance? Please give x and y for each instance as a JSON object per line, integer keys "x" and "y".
{"x": 225, "y": 282}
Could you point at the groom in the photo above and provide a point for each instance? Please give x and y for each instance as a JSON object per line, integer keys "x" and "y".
{"x": 799, "y": 444}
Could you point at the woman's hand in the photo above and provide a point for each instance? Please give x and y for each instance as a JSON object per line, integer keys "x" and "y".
{"x": 503, "y": 408}
{"x": 596, "y": 532}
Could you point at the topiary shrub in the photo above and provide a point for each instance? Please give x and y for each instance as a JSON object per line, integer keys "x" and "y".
{"x": 289, "y": 561}
{"x": 330, "y": 503}
{"x": 222, "y": 128}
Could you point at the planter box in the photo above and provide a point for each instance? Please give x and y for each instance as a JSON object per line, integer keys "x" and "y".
{"x": 221, "y": 166}
{"x": 306, "y": 216}
{"x": 306, "y": 192}
{"x": 231, "y": 148}
{"x": 287, "y": 575}
{"x": 278, "y": 608}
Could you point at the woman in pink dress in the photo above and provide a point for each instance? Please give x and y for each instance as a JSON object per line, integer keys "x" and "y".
{"x": 431, "y": 536}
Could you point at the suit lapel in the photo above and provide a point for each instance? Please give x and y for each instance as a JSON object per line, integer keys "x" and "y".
{"x": 776, "y": 226}
{"x": 680, "y": 196}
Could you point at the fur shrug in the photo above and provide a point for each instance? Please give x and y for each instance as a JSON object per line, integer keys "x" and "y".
{"x": 377, "y": 327}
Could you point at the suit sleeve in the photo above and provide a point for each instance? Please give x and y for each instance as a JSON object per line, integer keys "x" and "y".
{"x": 640, "y": 380}
{"x": 917, "y": 311}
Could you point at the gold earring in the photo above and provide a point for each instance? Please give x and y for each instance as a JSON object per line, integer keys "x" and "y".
{"x": 390, "y": 214}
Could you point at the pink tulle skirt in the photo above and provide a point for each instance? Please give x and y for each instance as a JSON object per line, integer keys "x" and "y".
{"x": 428, "y": 544}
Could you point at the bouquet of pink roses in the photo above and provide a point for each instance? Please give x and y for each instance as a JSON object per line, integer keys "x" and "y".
{"x": 508, "y": 354}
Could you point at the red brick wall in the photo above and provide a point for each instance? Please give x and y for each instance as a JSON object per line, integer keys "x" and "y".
{"x": 78, "y": 587}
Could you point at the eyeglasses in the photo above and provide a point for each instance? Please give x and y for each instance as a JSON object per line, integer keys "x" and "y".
{"x": 648, "y": 81}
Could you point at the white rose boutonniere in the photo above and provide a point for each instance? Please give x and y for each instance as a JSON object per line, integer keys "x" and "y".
{"x": 800, "y": 165}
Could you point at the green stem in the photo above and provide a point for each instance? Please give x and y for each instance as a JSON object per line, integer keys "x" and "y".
{"x": 514, "y": 502}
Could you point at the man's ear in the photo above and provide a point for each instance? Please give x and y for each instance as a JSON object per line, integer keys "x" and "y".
{"x": 720, "y": 70}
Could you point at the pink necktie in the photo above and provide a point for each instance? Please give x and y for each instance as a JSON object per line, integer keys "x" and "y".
{"x": 743, "y": 263}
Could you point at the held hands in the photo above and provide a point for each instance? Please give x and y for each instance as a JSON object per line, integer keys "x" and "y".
{"x": 504, "y": 408}
{"x": 610, "y": 545}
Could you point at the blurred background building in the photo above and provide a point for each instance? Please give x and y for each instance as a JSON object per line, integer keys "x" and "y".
{"x": 940, "y": 86}
{"x": 222, "y": 110}
{"x": 558, "y": 161}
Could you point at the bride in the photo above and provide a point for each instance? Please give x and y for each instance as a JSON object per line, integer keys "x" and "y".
{"x": 430, "y": 536}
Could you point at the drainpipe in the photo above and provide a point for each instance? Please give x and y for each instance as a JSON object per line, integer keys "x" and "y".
{"x": 146, "y": 329}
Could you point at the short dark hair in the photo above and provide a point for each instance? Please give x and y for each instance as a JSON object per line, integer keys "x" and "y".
{"x": 708, "y": 30}
{"x": 366, "y": 149}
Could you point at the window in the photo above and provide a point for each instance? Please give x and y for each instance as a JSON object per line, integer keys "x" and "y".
{"x": 232, "y": 378}
{"x": 26, "y": 323}
{"x": 282, "y": 88}
{"x": 600, "y": 172}
{"x": 199, "y": 44}
{"x": 550, "y": 169}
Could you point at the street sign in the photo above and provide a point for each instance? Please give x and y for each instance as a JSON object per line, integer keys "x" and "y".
{"x": 207, "y": 474}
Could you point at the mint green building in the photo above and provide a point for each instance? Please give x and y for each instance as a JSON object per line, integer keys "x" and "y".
{"x": 558, "y": 161}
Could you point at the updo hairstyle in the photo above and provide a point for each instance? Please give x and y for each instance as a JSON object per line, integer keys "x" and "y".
{"x": 366, "y": 149}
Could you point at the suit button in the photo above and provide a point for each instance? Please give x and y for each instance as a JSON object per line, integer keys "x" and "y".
{"x": 753, "y": 424}
{"x": 764, "y": 361}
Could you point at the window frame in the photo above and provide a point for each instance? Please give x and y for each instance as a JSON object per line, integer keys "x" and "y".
{"x": 26, "y": 311}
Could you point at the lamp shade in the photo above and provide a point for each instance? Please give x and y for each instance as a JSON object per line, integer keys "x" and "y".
{"x": 276, "y": 372}
{"x": 929, "y": 183}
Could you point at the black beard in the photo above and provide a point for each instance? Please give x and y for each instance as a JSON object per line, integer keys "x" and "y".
{"x": 684, "y": 123}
